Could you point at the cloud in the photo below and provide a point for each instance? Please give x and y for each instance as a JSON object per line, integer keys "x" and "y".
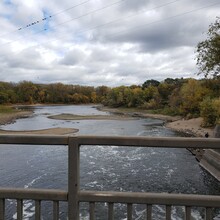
{"x": 101, "y": 42}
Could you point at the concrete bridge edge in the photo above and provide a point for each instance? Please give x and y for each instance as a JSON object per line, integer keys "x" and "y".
{"x": 211, "y": 158}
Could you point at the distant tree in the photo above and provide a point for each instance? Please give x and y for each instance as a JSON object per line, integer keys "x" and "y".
{"x": 152, "y": 98}
{"x": 150, "y": 82}
{"x": 165, "y": 90}
{"x": 208, "y": 51}
{"x": 101, "y": 93}
{"x": 3, "y": 97}
{"x": 26, "y": 92}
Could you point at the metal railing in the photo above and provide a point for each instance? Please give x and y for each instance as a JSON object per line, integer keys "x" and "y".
{"x": 74, "y": 196}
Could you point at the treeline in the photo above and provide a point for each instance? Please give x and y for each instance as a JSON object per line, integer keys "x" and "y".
{"x": 186, "y": 97}
{"x": 26, "y": 92}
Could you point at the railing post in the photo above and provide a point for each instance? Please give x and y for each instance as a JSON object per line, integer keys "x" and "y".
{"x": 2, "y": 209}
{"x": 19, "y": 209}
{"x": 73, "y": 178}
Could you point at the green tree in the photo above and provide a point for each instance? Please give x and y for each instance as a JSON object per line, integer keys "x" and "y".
{"x": 191, "y": 94}
{"x": 150, "y": 82}
{"x": 210, "y": 111}
{"x": 26, "y": 92}
{"x": 152, "y": 98}
{"x": 208, "y": 51}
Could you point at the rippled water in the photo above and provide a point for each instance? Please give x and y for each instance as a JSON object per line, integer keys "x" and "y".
{"x": 102, "y": 167}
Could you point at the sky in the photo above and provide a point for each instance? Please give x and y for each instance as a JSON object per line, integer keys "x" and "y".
{"x": 102, "y": 42}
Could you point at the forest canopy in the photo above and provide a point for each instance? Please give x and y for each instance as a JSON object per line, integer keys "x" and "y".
{"x": 186, "y": 97}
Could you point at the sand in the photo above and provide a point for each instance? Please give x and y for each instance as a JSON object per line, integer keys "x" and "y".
{"x": 49, "y": 131}
{"x": 90, "y": 117}
{"x": 8, "y": 118}
{"x": 191, "y": 126}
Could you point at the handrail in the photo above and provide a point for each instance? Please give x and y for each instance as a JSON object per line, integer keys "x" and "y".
{"x": 74, "y": 195}
{"x": 150, "y": 198}
{"x": 33, "y": 194}
{"x": 166, "y": 142}
{"x": 34, "y": 139}
{"x": 158, "y": 142}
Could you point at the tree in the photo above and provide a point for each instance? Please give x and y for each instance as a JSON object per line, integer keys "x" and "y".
{"x": 209, "y": 110}
{"x": 208, "y": 57}
{"x": 26, "y": 92}
{"x": 191, "y": 94}
{"x": 150, "y": 82}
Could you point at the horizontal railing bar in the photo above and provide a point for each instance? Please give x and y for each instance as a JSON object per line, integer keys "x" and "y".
{"x": 34, "y": 139}
{"x": 33, "y": 194}
{"x": 170, "y": 142}
{"x": 150, "y": 198}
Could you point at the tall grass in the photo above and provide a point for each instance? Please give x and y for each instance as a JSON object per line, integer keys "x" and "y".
{"x": 7, "y": 109}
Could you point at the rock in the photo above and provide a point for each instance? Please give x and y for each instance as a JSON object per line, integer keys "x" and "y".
{"x": 217, "y": 131}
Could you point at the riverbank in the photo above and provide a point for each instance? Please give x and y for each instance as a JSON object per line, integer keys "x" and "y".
{"x": 11, "y": 117}
{"x": 14, "y": 114}
{"x": 190, "y": 127}
{"x": 177, "y": 123}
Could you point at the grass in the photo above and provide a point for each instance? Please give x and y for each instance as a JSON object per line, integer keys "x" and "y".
{"x": 162, "y": 111}
{"x": 4, "y": 109}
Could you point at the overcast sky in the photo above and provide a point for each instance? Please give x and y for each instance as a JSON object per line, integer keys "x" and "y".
{"x": 101, "y": 42}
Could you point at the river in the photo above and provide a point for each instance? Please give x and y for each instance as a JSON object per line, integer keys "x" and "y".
{"x": 102, "y": 167}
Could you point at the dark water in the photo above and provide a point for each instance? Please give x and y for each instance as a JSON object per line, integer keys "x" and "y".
{"x": 102, "y": 167}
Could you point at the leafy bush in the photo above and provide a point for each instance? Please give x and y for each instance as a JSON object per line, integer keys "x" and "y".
{"x": 210, "y": 111}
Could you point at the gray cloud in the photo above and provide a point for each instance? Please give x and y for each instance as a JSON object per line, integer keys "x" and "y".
{"x": 126, "y": 43}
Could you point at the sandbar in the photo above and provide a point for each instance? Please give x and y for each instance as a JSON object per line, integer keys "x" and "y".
{"x": 90, "y": 117}
{"x": 49, "y": 131}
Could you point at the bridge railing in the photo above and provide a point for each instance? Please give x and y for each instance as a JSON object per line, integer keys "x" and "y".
{"x": 74, "y": 196}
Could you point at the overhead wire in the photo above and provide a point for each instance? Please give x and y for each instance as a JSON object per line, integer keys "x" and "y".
{"x": 137, "y": 27}
{"x": 52, "y": 15}
{"x": 37, "y": 21}
{"x": 100, "y": 9}
{"x": 143, "y": 25}
{"x": 168, "y": 18}
{"x": 76, "y": 18}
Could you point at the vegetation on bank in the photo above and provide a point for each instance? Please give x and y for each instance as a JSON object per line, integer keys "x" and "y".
{"x": 4, "y": 109}
{"x": 186, "y": 97}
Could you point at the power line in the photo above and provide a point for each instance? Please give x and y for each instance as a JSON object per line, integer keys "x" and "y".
{"x": 53, "y": 15}
{"x": 89, "y": 13}
{"x": 143, "y": 25}
{"x": 46, "y": 18}
{"x": 76, "y": 18}
{"x": 168, "y": 18}
{"x": 140, "y": 26}
{"x": 99, "y": 9}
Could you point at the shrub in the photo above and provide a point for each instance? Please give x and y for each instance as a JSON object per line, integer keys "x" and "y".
{"x": 209, "y": 111}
